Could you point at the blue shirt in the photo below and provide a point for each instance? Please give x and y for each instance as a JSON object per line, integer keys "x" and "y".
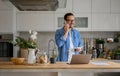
{"x": 64, "y": 45}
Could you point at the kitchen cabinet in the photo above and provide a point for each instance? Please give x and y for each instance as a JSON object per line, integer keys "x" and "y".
{"x": 115, "y": 22}
{"x": 115, "y": 6}
{"x": 105, "y": 22}
{"x": 100, "y": 6}
{"x": 100, "y": 22}
{"x": 39, "y": 21}
{"x": 85, "y": 24}
{"x": 6, "y": 21}
{"x": 82, "y": 6}
{"x": 82, "y": 21}
{"x": 59, "y": 20}
{"x": 66, "y": 9}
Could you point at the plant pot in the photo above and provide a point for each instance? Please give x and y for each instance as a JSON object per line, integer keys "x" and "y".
{"x": 24, "y": 53}
{"x": 52, "y": 60}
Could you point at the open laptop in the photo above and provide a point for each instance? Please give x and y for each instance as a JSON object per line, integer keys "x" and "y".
{"x": 80, "y": 59}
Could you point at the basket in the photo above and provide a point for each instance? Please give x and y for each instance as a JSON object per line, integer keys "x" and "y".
{"x": 17, "y": 61}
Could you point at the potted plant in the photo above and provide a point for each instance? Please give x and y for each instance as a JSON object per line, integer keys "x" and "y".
{"x": 53, "y": 59}
{"x": 54, "y": 56}
{"x": 100, "y": 41}
{"x": 22, "y": 43}
{"x": 116, "y": 39}
{"x": 117, "y": 54}
{"x": 99, "y": 46}
{"x": 52, "y": 51}
{"x": 28, "y": 44}
{"x": 31, "y": 43}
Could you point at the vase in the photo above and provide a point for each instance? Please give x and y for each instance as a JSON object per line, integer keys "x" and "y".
{"x": 24, "y": 53}
{"x": 31, "y": 56}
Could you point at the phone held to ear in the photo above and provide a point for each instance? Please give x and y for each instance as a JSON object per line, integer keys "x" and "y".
{"x": 67, "y": 24}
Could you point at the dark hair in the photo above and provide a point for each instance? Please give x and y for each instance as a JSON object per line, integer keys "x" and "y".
{"x": 67, "y": 14}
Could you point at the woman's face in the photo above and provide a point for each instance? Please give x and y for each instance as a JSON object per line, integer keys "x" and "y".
{"x": 70, "y": 20}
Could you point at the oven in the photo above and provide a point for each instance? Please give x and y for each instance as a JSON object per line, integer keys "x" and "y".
{"x": 6, "y": 48}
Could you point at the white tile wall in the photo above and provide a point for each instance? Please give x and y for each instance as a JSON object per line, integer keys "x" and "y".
{"x": 44, "y": 37}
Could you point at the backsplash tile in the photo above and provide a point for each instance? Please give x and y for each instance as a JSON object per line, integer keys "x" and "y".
{"x": 44, "y": 37}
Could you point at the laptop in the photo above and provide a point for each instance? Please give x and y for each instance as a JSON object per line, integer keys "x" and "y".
{"x": 80, "y": 59}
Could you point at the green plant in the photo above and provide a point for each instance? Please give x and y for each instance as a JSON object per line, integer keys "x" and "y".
{"x": 55, "y": 56}
{"x": 54, "y": 53}
{"x": 117, "y": 52}
{"x": 26, "y": 43}
{"x": 31, "y": 44}
{"x": 100, "y": 41}
{"x": 116, "y": 39}
{"x": 23, "y": 43}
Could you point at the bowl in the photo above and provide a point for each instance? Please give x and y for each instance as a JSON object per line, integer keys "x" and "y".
{"x": 17, "y": 61}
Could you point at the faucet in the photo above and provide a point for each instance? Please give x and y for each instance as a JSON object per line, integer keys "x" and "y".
{"x": 53, "y": 49}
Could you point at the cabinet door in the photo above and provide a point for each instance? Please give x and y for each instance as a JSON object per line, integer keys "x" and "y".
{"x": 101, "y": 6}
{"x": 59, "y": 20}
{"x": 105, "y": 22}
{"x": 115, "y": 22}
{"x": 115, "y": 6}
{"x": 66, "y": 9}
{"x": 100, "y": 22}
{"x": 82, "y": 6}
{"x": 82, "y": 21}
{"x": 35, "y": 21}
{"x": 6, "y": 21}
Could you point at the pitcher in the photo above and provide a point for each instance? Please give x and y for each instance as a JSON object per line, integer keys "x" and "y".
{"x": 31, "y": 56}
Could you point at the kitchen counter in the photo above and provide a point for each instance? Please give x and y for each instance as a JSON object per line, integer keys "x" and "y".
{"x": 59, "y": 65}
{"x": 60, "y": 68}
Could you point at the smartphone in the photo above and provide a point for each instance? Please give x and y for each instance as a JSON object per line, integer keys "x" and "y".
{"x": 66, "y": 23}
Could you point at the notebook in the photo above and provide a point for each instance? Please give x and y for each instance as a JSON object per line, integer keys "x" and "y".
{"x": 80, "y": 59}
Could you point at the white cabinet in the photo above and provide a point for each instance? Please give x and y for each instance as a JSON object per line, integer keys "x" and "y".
{"x": 82, "y": 21}
{"x": 103, "y": 18}
{"x": 59, "y": 20}
{"x": 39, "y": 21}
{"x": 115, "y": 22}
{"x": 6, "y": 21}
{"x": 115, "y": 6}
{"x": 66, "y": 9}
{"x": 82, "y": 6}
{"x": 100, "y": 6}
{"x": 100, "y": 22}
{"x": 105, "y": 22}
